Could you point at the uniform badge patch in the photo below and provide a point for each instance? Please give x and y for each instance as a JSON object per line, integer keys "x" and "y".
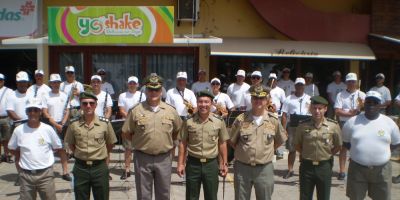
{"x": 381, "y": 133}
{"x": 41, "y": 141}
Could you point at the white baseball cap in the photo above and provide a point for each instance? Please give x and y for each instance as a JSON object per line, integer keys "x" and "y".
{"x": 285, "y": 69}
{"x": 272, "y": 75}
{"x": 380, "y": 75}
{"x": 241, "y": 72}
{"x": 374, "y": 94}
{"x": 300, "y": 81}
{"x": 95, "y": 77}
{"x": 2, "y": 77}
{"x": 133, "y": 79}
{"x": 202, "y": 70}
{"x": 34, "y": 103}
{"x": 39, "y": 71}
{"x": 181, "y": 75}
{"x": 22, "y": 76}
{"x": 351, "y": 77}
{"x": 55, "y": 78}
{"x": 256, "y": 73}
{"x": 101, "y": 70}
{"x": 215, "y": 80}
{"x": 309, "y": 75}
{"x": 69, "y": 69}
{"x": 336, "y": 73}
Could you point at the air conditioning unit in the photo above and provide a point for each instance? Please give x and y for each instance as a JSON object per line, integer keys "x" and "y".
{"x": 188, "y": 10}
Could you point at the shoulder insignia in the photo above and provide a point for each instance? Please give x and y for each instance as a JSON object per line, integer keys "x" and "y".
{"x": 274, "y": 115}
{"x": 217, "y": 116}
{"x": 74, "y": 119}
{"x": 170, "y": 105}
{"x": 331, "y": 120}
{"x": 241, "y": 117}
{"x": 103, "y": 119}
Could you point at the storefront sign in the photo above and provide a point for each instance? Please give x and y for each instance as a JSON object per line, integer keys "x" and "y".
{"x": 294, "y": 52}
{"x": 18, "y": 17}
{"x": 111, "y": 25}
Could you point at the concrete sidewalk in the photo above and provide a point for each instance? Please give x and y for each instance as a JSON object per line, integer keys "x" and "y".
{"x": 284, "y": 189}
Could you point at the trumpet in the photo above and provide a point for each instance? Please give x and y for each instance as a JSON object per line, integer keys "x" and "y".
{"x": 220, "y": 109}
{"x": 189, "y": 107}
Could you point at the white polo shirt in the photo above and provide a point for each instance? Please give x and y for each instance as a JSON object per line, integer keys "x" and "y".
{"x": 348, "y": 101}
{"x": 175, "y": 99}
{"x": 55, "y": 104}
{"x": 200, "y": 86}
{"x": 101, "y": 100}
{"x": 224, "y": 100}
{"x": 40, "y": 91}
{"x": 236, "y": 92}
{"x": 278, "y": 96}
{"x": 334, "y": 89}
{"x": 370, "y": 139}
{"x": 311, "y": 90}
{"x": 66, "y": 88}
{"x": 127, "y": 100}
{"x": 16, "y": 102}
{"x": 384, "y": 91}
{"x": 36, "y": 145}
{"x": 107, "y": 87}
{"x": 5, "y": 92}
{"x": 297, "y": 105}
{"x": 287, "y": 86}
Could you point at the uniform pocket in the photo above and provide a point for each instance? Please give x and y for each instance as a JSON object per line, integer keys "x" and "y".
{"x": 246, "y": 137}
{"x": 213, "y": 136}
{"x": 99, "y": 138}
{"x": 269, "y": 137}
{"x": 167, "y": 125}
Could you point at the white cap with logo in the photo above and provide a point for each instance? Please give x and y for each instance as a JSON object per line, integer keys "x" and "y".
{"x": 55, "y": 78}
{"x": 374, "y": 94}
{"x": 351, "y": 77}
{"x": 39, "y": 71}
{"x": 256, "y": 73}
{"x": 22, "y": 76}
{"x": 181, "y": 75}
{"x": 94, "y": 77}
{"x": 215, "y": 80}
{"x": 34, "y": 103}
{"x": 241, "y": 72}
{"x": 272, "y": 75}
{"x": 300, "y": 81}
{"x": 133, "y": 79}
{"x": 380, "y": 75}
{"x": 69, "y": 69}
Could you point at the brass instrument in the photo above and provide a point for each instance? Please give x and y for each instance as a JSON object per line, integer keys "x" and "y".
{"x": 270, "y": 106}
{"x": 189, "y": 107}
{"x": 220, "y": 109}
{"x": 360, "y": 102}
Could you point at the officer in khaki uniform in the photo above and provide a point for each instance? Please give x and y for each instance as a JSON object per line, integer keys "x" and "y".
{"x": 255, "y": 135}
{"x": 152, "y": 126}
{"x": 317, "y": 139}
{"x": 90, "y": 138}
{"x": 203, "y": 137}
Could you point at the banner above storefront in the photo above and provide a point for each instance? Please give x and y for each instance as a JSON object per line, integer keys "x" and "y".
{"x": 111, "y": 24}
{"x": 18, "y": 17}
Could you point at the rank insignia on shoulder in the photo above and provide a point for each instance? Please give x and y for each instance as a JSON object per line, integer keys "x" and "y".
{"x": 217, "y": 116}
{"x": 274, "y": 115}
{"x": 331, "y": 120}
{"x": 74, "y": 119}
{"x": 103, "y": 119}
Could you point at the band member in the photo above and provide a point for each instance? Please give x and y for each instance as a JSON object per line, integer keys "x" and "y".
{"x": 310, "y": 88}
{"x": 55, "y": 109}
{"x": 256, "y": 80}
{"x": 285, "y": 83}
{"x": 182, "y": 98}
{"x": 152, "y": 126}
{"x": 104, "y": 101}
{"x": 277, "y": 94}
{"x": 105, "y": 86}
{"x": 255, "y": 135}
{"x": 126, "y": 101}
{"x": 202, "y": 83}
{"x": 237, "y": 90}
{"x": 33, "y": 143}
{"x": 221, "y": 102}
{"x": 5, "y": 129}
{"x": 384, "y": 91}
{"x": 72, "y": 88}
{"x": 39, "y": 89}
{"x": 333, "y": 90}
{"x": 295, "y": 107}
{"x": 203, "y": 138}
{"x": 91, "y": 138}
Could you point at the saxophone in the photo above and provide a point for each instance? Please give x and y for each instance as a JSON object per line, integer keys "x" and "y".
{"x": 189, "y": 107}
{"x": 220, "y": 109}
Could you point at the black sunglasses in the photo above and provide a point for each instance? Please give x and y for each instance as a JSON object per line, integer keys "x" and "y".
{"x": 33, "y": 110}
{"x": 85, "y": 103}
{"x": 256, "y": 77}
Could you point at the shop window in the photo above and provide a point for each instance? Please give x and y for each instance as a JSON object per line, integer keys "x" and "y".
{"x": 118, "y": 68}
{"x": 74, "y": 59}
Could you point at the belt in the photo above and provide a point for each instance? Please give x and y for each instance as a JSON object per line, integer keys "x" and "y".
{"x": 202, "y": 160}
{"x": 316, "y": 163}
{"x": 35, "y": 171}
{"x": 3, "y": 117}
{"x": 253, "y": 164}
{"x": 89, "y": 163}
{"x": 368, "y": 166}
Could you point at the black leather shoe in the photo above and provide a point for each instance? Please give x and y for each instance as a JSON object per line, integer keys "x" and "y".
{"x": 341, "y": 176}
{"x": 66, "y": 177}
{"x": 16, "y": 183}
{"x": 125, "y": 175}
{"x": 288, "y": 174}
{"x": 396, "y": 179}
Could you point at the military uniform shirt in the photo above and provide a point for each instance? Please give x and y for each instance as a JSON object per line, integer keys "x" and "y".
{"x": 316, "y": 143}
{"x": 202, "y": 137}
{"x": 255, "y": 143}
{"x": 152, "y": 131}
{"x": 90, "y": 143}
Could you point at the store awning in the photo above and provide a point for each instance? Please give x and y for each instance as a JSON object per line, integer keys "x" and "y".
{"x": 385, "y": 37}
{"x": 293, "y": 49}
{"x": 25, "y": 40}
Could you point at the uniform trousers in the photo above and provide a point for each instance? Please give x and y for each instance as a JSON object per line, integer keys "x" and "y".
{"x": 152, "y": 169}
{"x": 198, "y": 173}
{"x": 259, "y": 176}
{"x": 91, "y": 177}
{"x": 39, "y": 181}
{"x": 376, "y": 180}
{"x": 319, "y": 176}
{"x": 5, "y": 133}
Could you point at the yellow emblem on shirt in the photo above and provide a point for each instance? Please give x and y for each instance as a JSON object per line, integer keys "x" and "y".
{"x": 381, "y": 132}
{"x": 41, "y": 141}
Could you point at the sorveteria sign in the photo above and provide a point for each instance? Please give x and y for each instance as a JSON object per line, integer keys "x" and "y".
{"x": 111, "y": 25}
{"x": 293, "y": 52}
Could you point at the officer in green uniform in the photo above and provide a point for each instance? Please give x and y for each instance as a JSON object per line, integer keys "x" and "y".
{"x": 203, "y": 137}
{"x": 255, "y": 135}
{"x": 90, "y": 138}
{"x": 152, "y": 126}
{"x": 317, "y": 139}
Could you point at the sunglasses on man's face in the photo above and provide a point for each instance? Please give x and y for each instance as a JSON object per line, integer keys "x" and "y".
{"x": 86, "y": 103}
{"x": 32, "y": 110}
{"x": 69, "y": 72}
{"x": 256, "y": 77}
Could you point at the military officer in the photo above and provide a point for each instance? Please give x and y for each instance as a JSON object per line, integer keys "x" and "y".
{"x": 152, "y": 126}
{"x": 317, "y": 140}
{"x": 203, "y": 137}
{"x": 255, "y": 135}
{"x": 90, "y": 138}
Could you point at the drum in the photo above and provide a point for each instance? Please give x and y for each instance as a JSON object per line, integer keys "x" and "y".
{"x": 295, "y": 119}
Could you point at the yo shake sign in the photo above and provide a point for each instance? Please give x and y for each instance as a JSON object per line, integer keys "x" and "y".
{"x": 19, "y": 17}
{"x": 111, "y": 25}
